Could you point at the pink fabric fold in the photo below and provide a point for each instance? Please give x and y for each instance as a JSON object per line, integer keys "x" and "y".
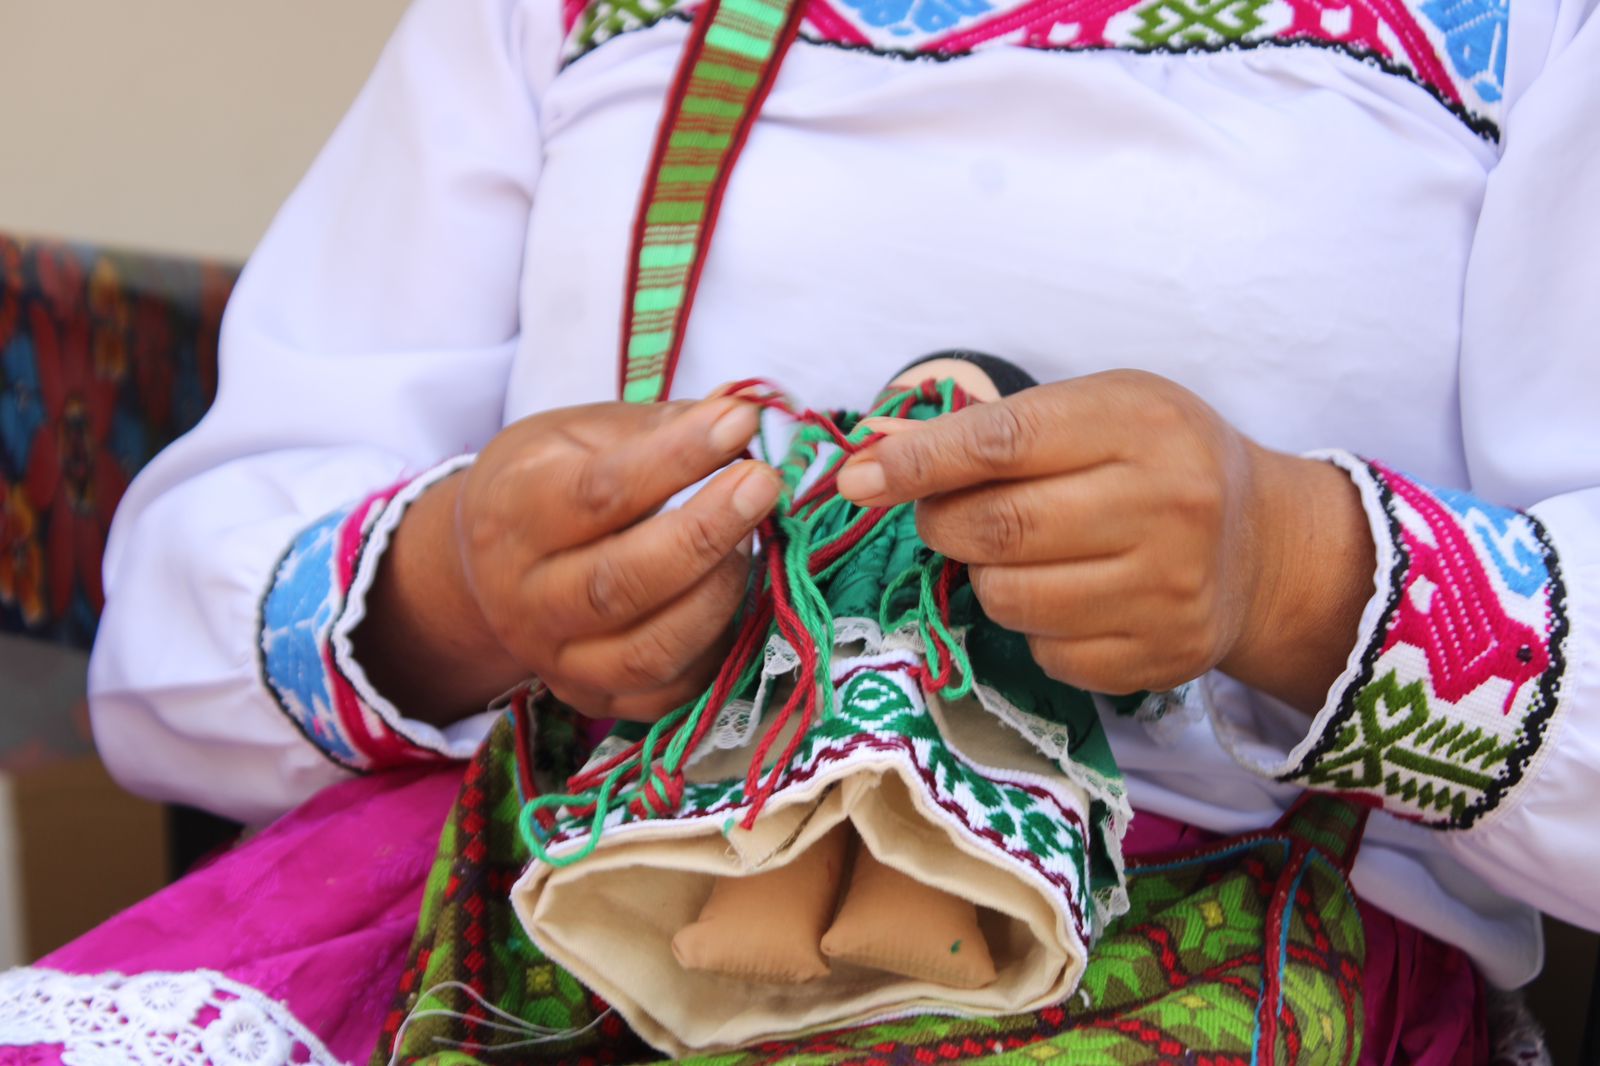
{"x": 316, "y": 911}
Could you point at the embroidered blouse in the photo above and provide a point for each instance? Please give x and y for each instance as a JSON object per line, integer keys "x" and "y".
{"x": 1361, "y": 225}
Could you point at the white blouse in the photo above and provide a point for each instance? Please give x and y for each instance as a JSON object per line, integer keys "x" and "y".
{"x": 1369, "y": 226}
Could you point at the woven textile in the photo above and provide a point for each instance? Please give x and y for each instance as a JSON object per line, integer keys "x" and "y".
{"x": 105, "y": 357}
{"x": 716, "y": 97}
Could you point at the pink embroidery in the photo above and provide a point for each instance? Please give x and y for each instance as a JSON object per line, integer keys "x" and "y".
{"x": 368, "y": 732}
{"x": 829, "y": 25}
{"x": 1420, "y": 51}
{"x": 1438, "y": 46}
{"x": 571, "y": 12}
{"x": 1367, "y": 19}
{"x": 1467, "y": 635}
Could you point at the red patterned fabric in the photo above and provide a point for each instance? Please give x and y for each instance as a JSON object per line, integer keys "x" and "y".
{"x": 105, "y": 357}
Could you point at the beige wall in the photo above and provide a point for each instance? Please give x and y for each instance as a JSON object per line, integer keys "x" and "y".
{"x": 169, "y": 125}
{"x": 173, "y": 125}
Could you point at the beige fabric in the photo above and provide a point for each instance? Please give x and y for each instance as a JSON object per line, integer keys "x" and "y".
{"x": 611, "y": 918}
{"x": 889, "y": 921}
{"x": 767, "y": 926}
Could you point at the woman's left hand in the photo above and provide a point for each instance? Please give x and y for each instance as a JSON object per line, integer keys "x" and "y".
{"x": 1135, "y": 537}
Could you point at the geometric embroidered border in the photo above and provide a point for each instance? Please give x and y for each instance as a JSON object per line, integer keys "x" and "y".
{"x": 297, "y": 614}
{"x": 1455, "y": 50}
{"x": 880, "y": 717}
{"x": 1462, "y": 680}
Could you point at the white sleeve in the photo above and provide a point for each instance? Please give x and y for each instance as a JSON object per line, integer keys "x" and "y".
{"x": 368, "y": 341}
{"x": 1472, "y": 703}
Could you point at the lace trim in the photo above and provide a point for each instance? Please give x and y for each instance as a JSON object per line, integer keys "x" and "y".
{"x": 454, "y": 744}
{"x": 194, "y": 1018}
{"x": 857, "y": 638}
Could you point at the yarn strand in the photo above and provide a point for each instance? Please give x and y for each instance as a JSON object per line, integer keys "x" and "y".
{"x": 805, "y": 541}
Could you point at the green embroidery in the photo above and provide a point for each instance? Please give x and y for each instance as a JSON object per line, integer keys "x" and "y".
{"x": 467, "y": 931}
{"x": 604, "y": 19}
{"x": 870, "y": 700}
{"x": 1186, "y": 23}
{"x": 1396, "y": 745}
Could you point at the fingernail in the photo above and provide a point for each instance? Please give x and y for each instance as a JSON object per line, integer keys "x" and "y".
{"x": 734, "y": 429}
{"x": 755, "y": 495}
{"x": 862, "y": 479}
{"x": 884, "y": 425}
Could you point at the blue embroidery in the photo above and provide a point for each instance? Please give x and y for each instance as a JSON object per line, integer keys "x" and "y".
{"x": 1475, "y": 40}
{"x": 296, "y": 618}
{"x": 906, "y": 17}
{"x": 1504, "y": 536}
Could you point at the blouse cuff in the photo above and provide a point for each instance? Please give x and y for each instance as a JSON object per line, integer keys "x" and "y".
{"x": 1455, "y": 680}
{"x": 316, "y": 598}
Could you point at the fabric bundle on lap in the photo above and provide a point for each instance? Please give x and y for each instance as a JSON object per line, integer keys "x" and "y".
{"x": 692, "y": 874}
{"x": 1233, "y": 950}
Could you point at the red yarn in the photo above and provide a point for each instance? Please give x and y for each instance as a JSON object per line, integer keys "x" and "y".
{"x": 664, "y": 790}
{"x": 660, "y": 795}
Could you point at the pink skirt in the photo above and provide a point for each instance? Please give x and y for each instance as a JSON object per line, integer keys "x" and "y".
{"x": 289, "y": 949}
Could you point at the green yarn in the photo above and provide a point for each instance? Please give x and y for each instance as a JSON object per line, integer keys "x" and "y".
{"x": 803, "y": 525}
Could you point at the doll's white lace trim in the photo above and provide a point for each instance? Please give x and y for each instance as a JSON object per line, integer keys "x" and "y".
{"x": 856, "y": 638}
{"x": 735, "y": 726}
{"x": 194, "y": 1018}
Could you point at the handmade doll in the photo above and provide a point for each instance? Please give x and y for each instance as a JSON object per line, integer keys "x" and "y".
{"x": 880, "y": 806}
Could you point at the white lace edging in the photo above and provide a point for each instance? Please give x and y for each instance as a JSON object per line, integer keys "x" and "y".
{"x": 1054, "y": 741}
{"x": 193, "y": 1018}
{"x": 458, "y": 741}
{"x": 1235, "y": 737}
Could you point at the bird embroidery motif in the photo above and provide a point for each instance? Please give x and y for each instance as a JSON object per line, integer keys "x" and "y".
{"x": 1452, "y": 611}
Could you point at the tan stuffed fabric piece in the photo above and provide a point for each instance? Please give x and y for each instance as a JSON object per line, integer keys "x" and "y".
{"x": 612, "y": 918}
{"x": 889, "y": 921}
{"x": 767, "y": 926}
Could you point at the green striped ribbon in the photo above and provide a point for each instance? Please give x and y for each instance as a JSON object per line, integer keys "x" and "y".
{"x": 725, "y": 73}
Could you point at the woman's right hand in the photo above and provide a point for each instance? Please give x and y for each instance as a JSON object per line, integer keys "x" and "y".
{"x": 550, "y": 557}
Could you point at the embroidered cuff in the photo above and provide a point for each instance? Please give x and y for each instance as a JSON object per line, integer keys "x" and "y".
{"x": 316, "y": 598}
{"x": 1456, "y": 677}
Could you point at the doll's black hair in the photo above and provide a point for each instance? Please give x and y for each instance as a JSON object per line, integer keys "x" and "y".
{"x": 1007, "y": 376}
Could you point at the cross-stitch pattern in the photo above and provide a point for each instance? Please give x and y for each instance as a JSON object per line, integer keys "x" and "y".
{"x": 1455, "y": 50}
{"x": 1461, "y": 685}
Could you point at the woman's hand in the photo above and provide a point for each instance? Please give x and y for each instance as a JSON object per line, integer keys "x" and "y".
{"x": 549, "y": 556}
{"x": 1135, "y": 537}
